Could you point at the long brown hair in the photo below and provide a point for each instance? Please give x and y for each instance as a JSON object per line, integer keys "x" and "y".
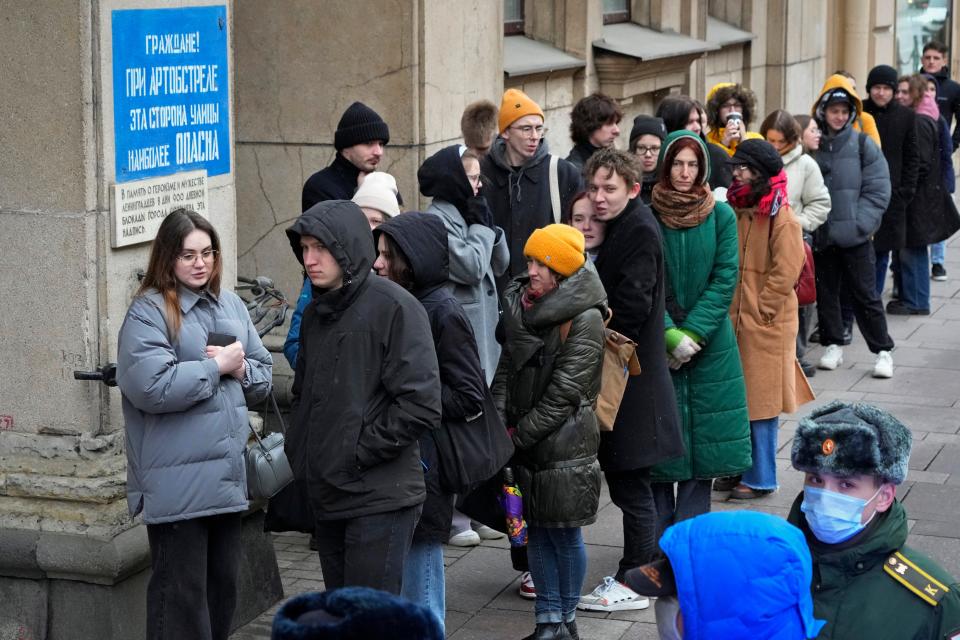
{"x": 164, "y": 252}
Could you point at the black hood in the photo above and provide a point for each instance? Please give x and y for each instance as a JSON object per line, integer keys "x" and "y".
{"x": 422, "y": 238}
{"x": 341, "y": 226}
{"x": 442, "y": 176}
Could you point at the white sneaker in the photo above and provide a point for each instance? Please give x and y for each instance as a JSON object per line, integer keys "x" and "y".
{"x": 468, "y": 538}
{"x": 487, "y": 533}
{"x": 831, "y": 358}
{"x": 527, "y": 589}
{"x": 613, "y": 596}
{"x": 884, "y": 365}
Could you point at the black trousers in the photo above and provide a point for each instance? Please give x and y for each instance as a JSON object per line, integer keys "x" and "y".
{"x": 854, "y": 267}
{"x": 691, "y": 499}
{"x": 367, "y": 551}
{"x": 631, "y": 492}
{"x": 193, "y": 590}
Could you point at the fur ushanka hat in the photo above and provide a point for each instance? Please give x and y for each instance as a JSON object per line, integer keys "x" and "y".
{"x": 850, "y": 439}
{"x": 353, "y": 613}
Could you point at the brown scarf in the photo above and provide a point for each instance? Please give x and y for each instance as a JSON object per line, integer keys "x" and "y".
{"x": 679, "y": 210}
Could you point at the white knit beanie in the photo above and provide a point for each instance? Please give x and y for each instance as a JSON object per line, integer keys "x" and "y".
{"x": 378, "y": 191}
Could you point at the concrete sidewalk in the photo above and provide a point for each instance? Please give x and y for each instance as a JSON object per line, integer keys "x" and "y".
{"x": 482, "y": 603}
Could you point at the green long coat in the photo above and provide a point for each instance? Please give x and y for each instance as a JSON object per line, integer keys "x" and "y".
{"x": 702, "y": 265}
{"x": 858, "y": 598}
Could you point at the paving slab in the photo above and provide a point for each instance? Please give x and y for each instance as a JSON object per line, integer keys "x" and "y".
{"x": 940, "y": 503}
{"x": 948, "y": 460}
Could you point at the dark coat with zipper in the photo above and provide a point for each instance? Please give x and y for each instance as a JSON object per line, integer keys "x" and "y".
{"x": 858, "y": 598}
{"x": 335, "y": 182}
{"x": 422, "y": 238}
{"x": 520, "y": 198}
{"x": 630, "y": 264}
{"x": 948, "y": 101}
{"x": 546, "y": 389}
{"x": 580, "y": 153}
{"x": 930, "y": 217}
{"x": 897, "y": 127}
{"x": 366, "y": 384}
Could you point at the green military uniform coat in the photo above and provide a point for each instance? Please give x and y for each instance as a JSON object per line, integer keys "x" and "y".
{"x": 701, "y": 263}
{"x": 875, "y": 588}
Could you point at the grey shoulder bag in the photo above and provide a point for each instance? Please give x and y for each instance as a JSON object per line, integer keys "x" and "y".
{"x": 268, "y": 470}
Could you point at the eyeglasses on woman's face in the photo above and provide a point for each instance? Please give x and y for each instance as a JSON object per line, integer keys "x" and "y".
{"x": 190, "y": 257}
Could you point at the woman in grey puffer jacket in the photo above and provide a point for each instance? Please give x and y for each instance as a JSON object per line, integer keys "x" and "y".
{"x": 545, "y": 387}
{"x": 185, "y": 409}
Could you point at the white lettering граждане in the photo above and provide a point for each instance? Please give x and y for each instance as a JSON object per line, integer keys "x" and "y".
{"x": 167, "y": 43}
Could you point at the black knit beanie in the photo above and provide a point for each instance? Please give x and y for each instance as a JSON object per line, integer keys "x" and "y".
{"x": 882, "y": 74}
{"x": 359, "y": 123}
{"x": 647, "y": 125}
{"x": 759, "y": 155}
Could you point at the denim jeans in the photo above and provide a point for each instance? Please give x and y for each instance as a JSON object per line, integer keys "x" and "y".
{"x": 193, "y": 589}
{"x": 631, "y": 492}
{"x": 367, "y": 551}
{"x": 763, "y": 437}
{"x": 558, "y": 564}
{"x": 855, "y": 267}
{"x": 912, "y": 276}
{"x": 692, "y": 499}
{"x": 423, "y": 578}
{"x": 938, "y": 252}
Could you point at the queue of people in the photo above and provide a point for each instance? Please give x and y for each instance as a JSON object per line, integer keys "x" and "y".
{"x": 690, "y": 244}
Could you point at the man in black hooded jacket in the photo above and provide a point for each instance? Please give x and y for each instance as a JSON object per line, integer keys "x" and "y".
{"x": 366, "y": 386}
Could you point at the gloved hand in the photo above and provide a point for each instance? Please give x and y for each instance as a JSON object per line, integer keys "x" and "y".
{"x": 685, "y": 350}
{"x": 478, "y": 212}
{"x": 673, "y": 363}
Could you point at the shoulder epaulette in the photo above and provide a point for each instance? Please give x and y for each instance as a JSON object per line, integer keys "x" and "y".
{"x": 918, "y": 581}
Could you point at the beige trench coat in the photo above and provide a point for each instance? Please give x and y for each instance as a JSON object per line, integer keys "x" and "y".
{"x": 764, "y": 312}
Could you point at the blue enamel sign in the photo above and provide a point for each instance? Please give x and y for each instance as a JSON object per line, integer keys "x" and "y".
{"x": 171, "y": 83}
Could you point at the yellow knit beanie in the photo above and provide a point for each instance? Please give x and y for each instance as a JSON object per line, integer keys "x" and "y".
{"x": 515, "y": 105}
{"x": 558, "y": 246}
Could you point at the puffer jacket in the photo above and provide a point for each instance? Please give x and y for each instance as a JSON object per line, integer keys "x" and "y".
{"x": 520, "y": 199}
{"x": 807, "y": 193}
{"x": 186, "y": 425}
{"x": 422, "y": 239}
{"x": 546, "y": 389}
{"x": 478, "y": 254}
{"x": 366, "y": 384}
{"x": 856, "y": 175}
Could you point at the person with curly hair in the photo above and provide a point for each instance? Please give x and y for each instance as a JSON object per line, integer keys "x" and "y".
{"x": 724, "y": 100}
{"x": 594, "y": 124}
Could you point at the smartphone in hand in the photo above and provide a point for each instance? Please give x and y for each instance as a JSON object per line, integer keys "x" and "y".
{"x": 215, "y": 339}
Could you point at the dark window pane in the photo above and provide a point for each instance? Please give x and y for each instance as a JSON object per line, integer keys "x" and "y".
{"x": 512, "y": 17}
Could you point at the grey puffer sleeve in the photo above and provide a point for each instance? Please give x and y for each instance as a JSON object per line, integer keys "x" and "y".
{"x": 874, "y": 189}
{"x": 256, "y": 386}
{"x": 148, "y": 372}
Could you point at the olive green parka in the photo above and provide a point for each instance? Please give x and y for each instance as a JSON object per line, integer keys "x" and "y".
{"x": 546, "y": 389}
{"x": 858, "y": 598}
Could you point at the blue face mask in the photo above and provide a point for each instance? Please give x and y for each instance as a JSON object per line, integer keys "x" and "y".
{"x": 834, "y": 517}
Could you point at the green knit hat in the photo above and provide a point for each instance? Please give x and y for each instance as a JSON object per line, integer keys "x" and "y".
{"x": 851, "y": 439}
{"x": 684, "y": 133}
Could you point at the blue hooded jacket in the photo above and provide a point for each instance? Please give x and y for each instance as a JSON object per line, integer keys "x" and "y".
{"x": 742, "y": 575}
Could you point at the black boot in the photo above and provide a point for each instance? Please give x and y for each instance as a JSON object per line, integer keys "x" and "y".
{"x": 550, "y": 631}
{"x": 572, "y": 629}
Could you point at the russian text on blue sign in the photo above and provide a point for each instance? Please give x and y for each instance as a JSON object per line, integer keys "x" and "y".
{"x": 171, "y": 109}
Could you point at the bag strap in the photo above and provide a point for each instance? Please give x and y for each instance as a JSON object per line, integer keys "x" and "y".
{"x": 555, "y": 189}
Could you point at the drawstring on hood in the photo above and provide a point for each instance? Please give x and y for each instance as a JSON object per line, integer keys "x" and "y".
{"x": 498, "y": 154}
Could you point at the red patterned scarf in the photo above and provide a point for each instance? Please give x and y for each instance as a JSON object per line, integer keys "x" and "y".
{"x": 741, "y": 196}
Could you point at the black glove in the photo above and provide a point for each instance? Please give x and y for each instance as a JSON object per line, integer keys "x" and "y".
{"x": 478, "y": 212}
